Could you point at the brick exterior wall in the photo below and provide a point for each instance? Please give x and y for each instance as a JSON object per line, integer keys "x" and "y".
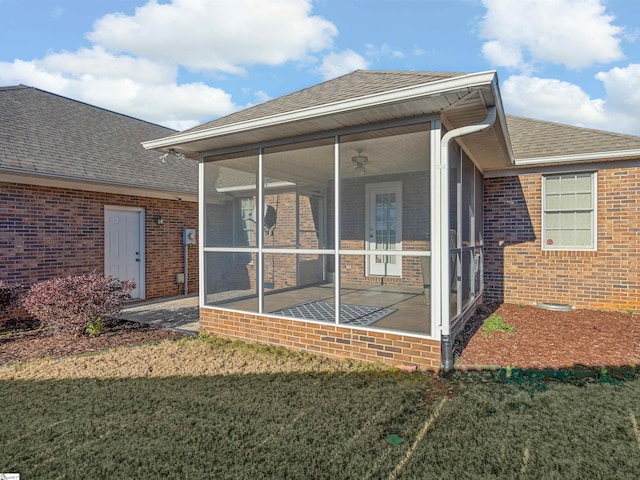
{"x": 518, "y": 270}
{"x": 328, "y": 340}
{"x": 50, "y": 232}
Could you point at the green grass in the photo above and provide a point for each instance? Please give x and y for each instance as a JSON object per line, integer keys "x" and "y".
{"x": 321, "y": 425}
{"x": 495, "y": 323}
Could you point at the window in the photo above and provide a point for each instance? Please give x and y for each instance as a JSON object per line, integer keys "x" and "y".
{"x": 244, "y": 229}
{"x": 568, "y": 221}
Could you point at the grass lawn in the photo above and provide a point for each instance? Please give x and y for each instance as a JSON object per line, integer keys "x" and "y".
{"x": 271, "y": 414}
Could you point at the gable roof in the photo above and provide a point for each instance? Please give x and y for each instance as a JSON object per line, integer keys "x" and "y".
{"x": 356, "y": 99}
{"x": 538, "y": 141}
{"x": 520, "y": 141}
{"x": 46, "y": 135}
{"x": 359, "y": 83}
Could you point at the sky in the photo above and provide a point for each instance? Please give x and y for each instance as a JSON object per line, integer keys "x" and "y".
{"x": 180, "y": 63}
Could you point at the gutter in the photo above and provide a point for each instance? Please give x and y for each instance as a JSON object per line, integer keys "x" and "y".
{"x": 377, "y": 99}
{"x": 442, "y": 214}
{"x": 14, "y": 175}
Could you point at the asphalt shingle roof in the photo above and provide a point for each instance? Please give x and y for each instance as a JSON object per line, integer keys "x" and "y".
{"x": 536, "y": 138}
{"x": 353, "y": 85}
{"x": 47, "y": 134}
{"x": 529, "y": 138}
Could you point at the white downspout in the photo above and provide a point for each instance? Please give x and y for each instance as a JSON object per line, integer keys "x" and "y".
{"x": 443, "y": 253}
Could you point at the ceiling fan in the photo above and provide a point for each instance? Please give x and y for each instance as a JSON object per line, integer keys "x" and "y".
{"x": 359, "y": 161}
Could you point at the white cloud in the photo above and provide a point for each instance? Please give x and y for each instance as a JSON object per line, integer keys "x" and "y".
{"x": 574, "y": 33}
{"x": 551, "y": 99}
{"x": 564, "y": 102}
{"x": 217, "y": 35}
{"x": 100, "y": 63}
{"x": 133, "y": 65}
{"x": 337, "y": 64}
{"x": 623, "y": 88}
{"x": 125, "y": 84}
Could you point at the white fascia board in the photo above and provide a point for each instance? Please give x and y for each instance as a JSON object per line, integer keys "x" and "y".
{"x": 93, "y": 186}
{"x": 581, "y": 157}
{"x": 377, "y": 99}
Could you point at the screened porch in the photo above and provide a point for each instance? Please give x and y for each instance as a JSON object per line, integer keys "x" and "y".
{"x": 343, "y": 231}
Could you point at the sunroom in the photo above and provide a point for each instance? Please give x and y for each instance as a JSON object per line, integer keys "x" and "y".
{"x": 346, "y": 219}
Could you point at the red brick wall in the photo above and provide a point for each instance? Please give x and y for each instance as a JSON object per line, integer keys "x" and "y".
{"x": 50, "y": 232}
{"x": 518, "y": 270}
{"x": 328, "y": 340}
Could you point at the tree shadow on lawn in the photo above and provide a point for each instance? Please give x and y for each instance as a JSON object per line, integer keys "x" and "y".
{"x": 237, "y": 426}
{"x": 320, "y": 426}
{"x": 317, "y": 425}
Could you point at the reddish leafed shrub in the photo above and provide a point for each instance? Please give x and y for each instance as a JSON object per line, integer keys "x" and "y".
{"x": 72, "y": 303}
{"x": 9, "y": 295}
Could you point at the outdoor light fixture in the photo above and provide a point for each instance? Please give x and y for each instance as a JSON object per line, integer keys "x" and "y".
{"x": 359, "y": 160}
{"x": 171, "y": 153}
{"x": 159, "y": 220}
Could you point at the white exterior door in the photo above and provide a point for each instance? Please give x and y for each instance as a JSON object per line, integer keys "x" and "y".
{"x": 384, "y": 227}
{"x": 124, "y": 246}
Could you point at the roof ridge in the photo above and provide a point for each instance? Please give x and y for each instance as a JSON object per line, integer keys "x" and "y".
{"x": 15, "y": 87}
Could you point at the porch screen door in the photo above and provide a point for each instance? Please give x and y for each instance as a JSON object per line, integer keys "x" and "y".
{"x": 384, "y": 227}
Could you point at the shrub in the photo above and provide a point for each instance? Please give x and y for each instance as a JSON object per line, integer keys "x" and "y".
{"x": 72, "y": 303}
{"x": 9, "y": 295}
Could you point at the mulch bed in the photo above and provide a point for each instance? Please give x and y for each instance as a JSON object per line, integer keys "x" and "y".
{"x": 550, "y": 339}
{"x": 543, "y": 339}
{"x": 25, "y": 339}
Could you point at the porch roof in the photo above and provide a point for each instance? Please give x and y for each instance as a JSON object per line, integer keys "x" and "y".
{"x": 361, "y": 98}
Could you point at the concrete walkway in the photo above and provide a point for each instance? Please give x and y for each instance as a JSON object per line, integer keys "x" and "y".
{"x": 175, "y": 313}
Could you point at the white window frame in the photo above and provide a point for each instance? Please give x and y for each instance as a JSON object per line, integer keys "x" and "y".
{"x": 594, "y": 213}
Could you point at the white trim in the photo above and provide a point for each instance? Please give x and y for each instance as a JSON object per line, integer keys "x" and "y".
{"x": 201, "y": 233}
{"x": 260, "y": 200}
{"x": 94, "y": 186}
{"x": 309, "y": 251}
{"x": 581, "y": 157}
{"x": 436, "y": 221}
{"x": 594, "y": 215}
{"x": 253, "y": 188}
{"x": 608, "y": 165}
{"x": 142, "y": 244}
{"x": 439, "y": 87}
{"x": 337, "y": 227}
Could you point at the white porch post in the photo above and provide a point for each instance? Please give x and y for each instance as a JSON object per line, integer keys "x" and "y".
{"x": 437, "y": 201}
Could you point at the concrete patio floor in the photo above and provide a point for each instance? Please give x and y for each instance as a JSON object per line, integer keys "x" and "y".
{"x": 175, "y": 313}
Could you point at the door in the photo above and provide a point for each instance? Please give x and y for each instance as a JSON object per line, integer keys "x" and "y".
{"x": 384, "y": 227}
{"x": 123, "y": 246}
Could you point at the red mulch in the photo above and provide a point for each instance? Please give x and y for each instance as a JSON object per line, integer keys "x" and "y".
{"x": 24, "y": 339}
{"x": 544, "y": 339}
{"x": 551, "y": 339}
